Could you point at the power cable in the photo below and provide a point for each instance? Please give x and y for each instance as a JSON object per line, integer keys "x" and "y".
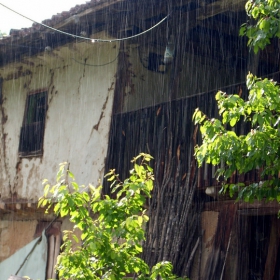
{"x": 85, "y": 38}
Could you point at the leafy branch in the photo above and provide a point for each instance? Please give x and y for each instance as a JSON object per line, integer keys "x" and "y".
{"x": 110, "y": 231}
{"x": 258, "y": 149}
{"x": 263, "y": 23}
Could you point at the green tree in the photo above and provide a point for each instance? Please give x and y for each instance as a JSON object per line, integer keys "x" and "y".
{"x": 260, "y": 147}
{"x": 112, "y": 229}
{"x": 263, "y": 23}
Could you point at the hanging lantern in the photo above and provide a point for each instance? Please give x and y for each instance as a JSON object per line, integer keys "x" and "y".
{"x": 169, "y": 51}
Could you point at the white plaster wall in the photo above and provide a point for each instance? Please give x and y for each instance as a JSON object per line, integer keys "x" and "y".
{"x": 78, "y": 117}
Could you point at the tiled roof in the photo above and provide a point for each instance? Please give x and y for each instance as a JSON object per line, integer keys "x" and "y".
{"x": 29, "y": 41}
{"x": 120, "y": 18}
{"x": 55, "y": 19}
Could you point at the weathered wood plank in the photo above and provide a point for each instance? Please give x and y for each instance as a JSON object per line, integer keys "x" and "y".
{"x": 271, "y": 258}
{"x": 215, "y": 263}
{"x": 219, "y": 7}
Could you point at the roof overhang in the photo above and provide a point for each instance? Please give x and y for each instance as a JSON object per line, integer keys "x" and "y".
{"x": 119, "y": 18}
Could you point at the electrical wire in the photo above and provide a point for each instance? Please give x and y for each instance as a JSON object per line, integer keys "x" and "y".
{"x": 85, "y": 38}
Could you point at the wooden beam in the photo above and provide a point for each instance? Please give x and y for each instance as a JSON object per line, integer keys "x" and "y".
{"x": 271, "y": 258}
{"x": 2, "y": 205}
{"x": 259, "y": 204}
{"x": 221, "y": 27}
{"x": 245, "y": 208}
{"x": 191, "y": 19}
{"x": 219, "y": 7}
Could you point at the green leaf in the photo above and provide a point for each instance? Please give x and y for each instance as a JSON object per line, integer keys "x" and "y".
{"x": 233, "y": 121}
{"x": 111, "y": 178}
{"x": 71, "y": 175}
{"x": 75, "y": 186}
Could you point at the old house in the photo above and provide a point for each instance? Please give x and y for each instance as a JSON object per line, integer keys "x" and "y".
{"x": 96, "y": 102}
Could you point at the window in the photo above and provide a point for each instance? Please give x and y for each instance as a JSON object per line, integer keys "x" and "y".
{"x": 32, "y": 130}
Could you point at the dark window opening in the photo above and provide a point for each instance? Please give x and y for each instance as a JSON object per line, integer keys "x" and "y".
{"x": 155, "y": 62}
{"x": 32, "y": 130}
{"x": 258, "y": 246}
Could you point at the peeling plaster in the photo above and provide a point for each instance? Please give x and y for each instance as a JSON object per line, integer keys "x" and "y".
{"x": 82, "y": 76}
{"x": 78, "y": 118}
{"x": 96, "y": 126}
{"x": 5, "y": 173}
{"x": 20, "y": 72}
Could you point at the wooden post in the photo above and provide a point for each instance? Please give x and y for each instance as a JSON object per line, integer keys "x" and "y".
{"x": 271, "y": 258}
{"x": 56, "y": 253}
{"x": 2, "y": 205}
{"x": 50, "y": 257}
{"x": 244, "y": 232}
{"x": 217, "y": 258}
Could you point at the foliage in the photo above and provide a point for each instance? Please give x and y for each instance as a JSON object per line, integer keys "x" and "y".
{"x": 259, "y": 149}
{"x": 263, "y": 24}
{"x": 111, "y": 229}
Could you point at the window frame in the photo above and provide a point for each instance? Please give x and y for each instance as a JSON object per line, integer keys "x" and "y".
{"x": 27, "y": 127}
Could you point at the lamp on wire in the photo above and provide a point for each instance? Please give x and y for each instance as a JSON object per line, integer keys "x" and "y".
{"x": 169, "y": 51}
